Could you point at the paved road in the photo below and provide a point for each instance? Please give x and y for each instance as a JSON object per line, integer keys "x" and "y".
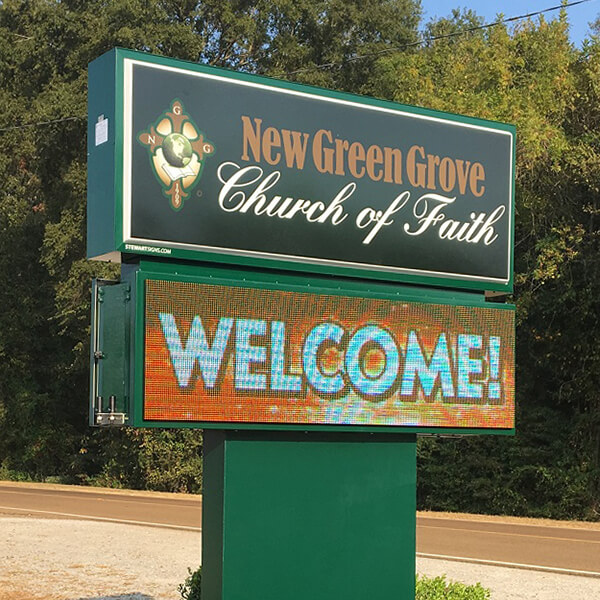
{"x": 173, "y": 510}
{"x": 536, "y": 544}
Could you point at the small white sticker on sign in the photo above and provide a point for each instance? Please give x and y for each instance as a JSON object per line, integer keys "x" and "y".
{"x": 101, "y": 130}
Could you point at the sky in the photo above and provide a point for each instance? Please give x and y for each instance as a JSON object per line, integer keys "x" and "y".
{"x": 579, "y": 16}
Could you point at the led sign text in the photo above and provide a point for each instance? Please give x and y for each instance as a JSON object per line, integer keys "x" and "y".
{"x": 370, "y": 361}
{"x": 234, "y": 354}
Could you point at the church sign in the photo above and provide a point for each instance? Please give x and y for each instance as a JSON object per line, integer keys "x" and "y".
{"x": 194, "y": 162}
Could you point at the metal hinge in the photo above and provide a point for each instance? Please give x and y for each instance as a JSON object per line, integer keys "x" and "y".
{"x": 110, "y": 418}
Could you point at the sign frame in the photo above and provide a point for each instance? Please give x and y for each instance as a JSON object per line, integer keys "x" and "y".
{"x": 151, "y": 270}
{"x": 107, "y": 179}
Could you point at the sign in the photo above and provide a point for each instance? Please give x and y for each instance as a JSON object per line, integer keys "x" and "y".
{"x": 209, "y": 164}
{"x": 231, "y": 355}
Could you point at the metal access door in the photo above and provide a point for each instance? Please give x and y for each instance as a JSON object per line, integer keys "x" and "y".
{"x": 110, "y": 348}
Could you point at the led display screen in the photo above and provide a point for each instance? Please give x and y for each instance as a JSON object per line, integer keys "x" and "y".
{"x": 230, "y": 355}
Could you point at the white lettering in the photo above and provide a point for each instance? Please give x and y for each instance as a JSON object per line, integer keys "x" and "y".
{"x": 234, "y": 199}
{"x": 383, "y": 218}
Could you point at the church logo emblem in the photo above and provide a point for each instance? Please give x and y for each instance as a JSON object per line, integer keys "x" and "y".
{"x": 178, "y": 150}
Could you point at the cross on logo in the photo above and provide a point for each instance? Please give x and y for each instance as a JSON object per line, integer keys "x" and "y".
{"x": 177, "y": 151}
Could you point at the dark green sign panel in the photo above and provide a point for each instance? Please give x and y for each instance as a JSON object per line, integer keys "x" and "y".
{"x": 188, "y": 161}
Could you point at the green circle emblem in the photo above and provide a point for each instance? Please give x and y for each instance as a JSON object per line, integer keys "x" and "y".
{"x": 177, "y": 150}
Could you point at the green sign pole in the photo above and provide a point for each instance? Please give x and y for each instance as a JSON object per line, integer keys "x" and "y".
{"x": 301, "y": 515}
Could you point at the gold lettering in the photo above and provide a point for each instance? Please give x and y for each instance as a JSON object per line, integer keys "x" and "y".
{"x": 462, "y": 169}
{"x": 447, "y": 174}
{"x": 416, "y": 171}
{"x": 433, "y": 160}
{"x": 322, "y": 157}
{"x": 251, "y": 138}
{"x": 271, "y": 139}
{"x": 294, "y": 147}
{"x": 477, "y": 175}
{"x": 340, "y": 148}
{"x": 392, "y": 158}
{"x": 374, "y": 158}
{"x": 356, "y": 154}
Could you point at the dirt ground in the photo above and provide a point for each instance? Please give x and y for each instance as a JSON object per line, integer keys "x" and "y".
{"x": 58, "y": 559}
{"x": 55, "y": 559}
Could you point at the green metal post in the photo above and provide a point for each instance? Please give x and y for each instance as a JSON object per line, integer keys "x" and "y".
{"x": 308, "y": 516}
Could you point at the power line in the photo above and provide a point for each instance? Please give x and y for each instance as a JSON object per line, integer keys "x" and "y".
{"x": 19, "y": 35}
{"x": 360, "y": 57}
{"x": 440, "y": 37}
{"x": 3, "y": 129}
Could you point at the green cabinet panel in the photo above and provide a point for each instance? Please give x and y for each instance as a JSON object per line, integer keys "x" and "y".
{"x": 298, "y": 516}
{"x": 110, "y": 349}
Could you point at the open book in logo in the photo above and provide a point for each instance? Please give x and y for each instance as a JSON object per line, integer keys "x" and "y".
{"x": 177, "y": 151}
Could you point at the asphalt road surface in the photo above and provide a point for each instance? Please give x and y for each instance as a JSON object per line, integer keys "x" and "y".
{"x": 552, "y": 546}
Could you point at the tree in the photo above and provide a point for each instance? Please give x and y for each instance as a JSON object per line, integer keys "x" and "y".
{"x": 529, "y": 75}
{"x": 534, "y": 78}
{"x": 45, "y": 47}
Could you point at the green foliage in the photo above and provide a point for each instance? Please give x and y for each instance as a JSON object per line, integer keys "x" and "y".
{"x": 45, "y": 47}
{"x": 310, "y": 33}
{"x": 426, "y": 589}
{"x": 160, "y": 460}
{"x": 190, "y": 588}
{"x": 439, "y": 589}
{"x": 536, "y": 473}
{"x": 529, "y": 75}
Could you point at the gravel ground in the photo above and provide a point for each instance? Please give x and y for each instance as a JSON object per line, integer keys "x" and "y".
{"x": 56, "y": 559}
{"x": 514, "y": 584}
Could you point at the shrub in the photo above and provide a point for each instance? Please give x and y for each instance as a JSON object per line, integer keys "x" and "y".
{"x": 190, "y": 588}
{"x": 427, "y": 589}
{"x": 438, "y": 588}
